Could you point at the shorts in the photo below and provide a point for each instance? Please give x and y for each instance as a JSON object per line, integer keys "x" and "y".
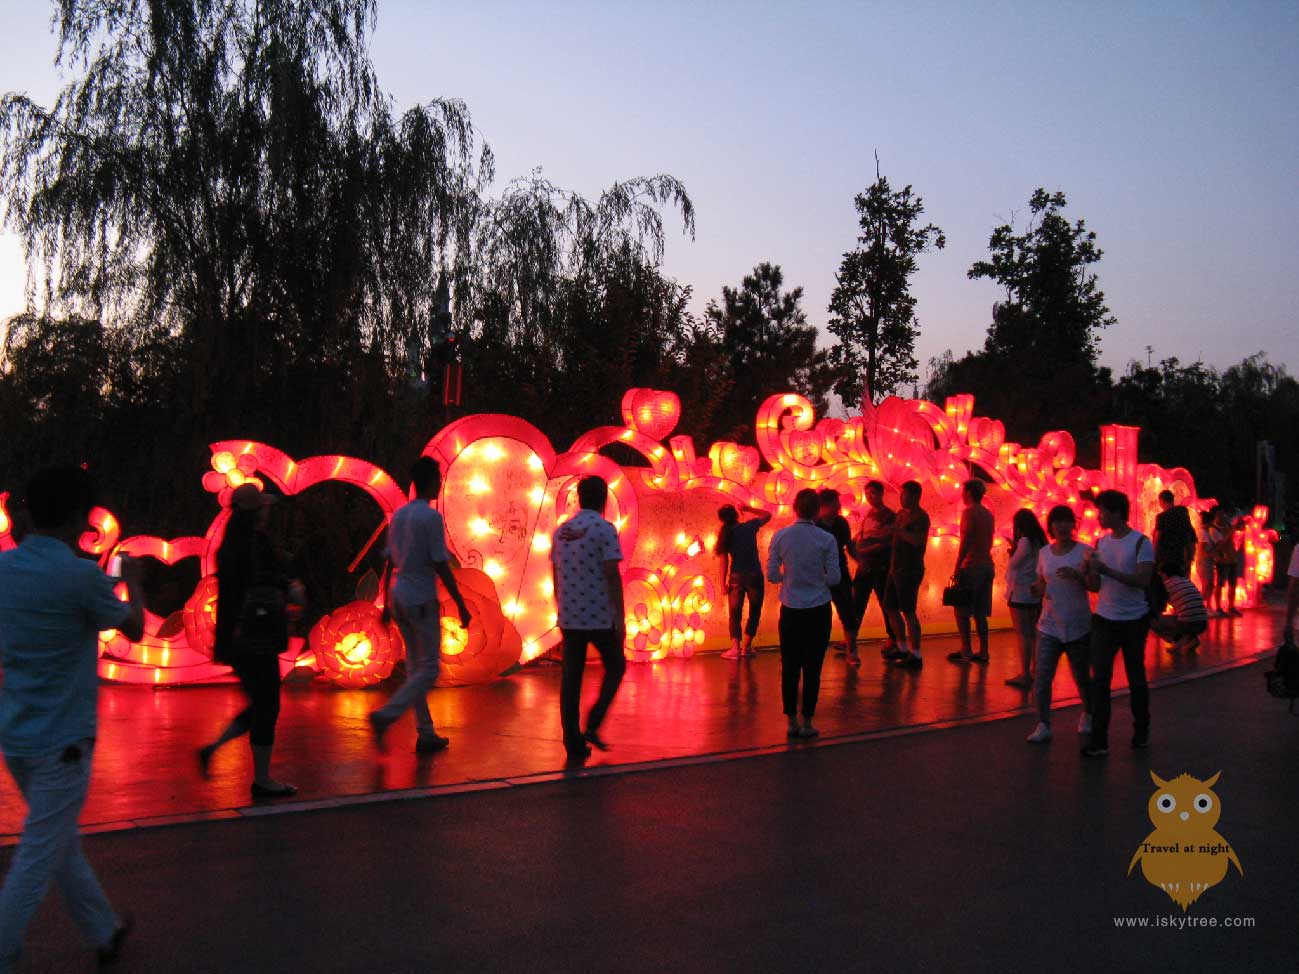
{"x": 977, "y": 580}
{"x": 1226, "y": 571}
{"x": 902, "y": 590}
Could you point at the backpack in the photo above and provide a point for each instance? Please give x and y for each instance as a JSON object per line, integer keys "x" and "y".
{"x": 1283, "y": 677}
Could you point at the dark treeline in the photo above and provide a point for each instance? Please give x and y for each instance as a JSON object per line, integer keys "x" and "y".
{"x": 232, "y": 232}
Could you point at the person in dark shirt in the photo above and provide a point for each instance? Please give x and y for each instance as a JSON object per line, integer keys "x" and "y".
{"x": 873, "y": 548}
{"x": 974, "y": 572}
{"x": 1175, "y": 542}
{"x": 741, "y": 573}
{"x": 829, "y": 519}
{"x": 251, "y": 632}
{"x": 906, "y": 571}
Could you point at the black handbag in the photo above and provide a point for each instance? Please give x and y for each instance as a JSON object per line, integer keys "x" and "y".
{"x": 956, "y": 595}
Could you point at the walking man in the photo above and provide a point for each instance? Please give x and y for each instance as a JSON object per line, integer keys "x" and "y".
{"x": 417, "y": 554}
{"x": 585, "y": 556}
{"x": 53, "y": 605}
{"x": 1120, "y": 571}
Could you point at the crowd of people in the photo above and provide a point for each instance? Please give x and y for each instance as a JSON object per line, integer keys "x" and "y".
{"x": 54, "y": 604}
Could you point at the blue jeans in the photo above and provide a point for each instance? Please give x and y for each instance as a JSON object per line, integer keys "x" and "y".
{"x": 54, "y": 785}
{"x": 421, "y": 630}
{"x": 1049, "y": 650}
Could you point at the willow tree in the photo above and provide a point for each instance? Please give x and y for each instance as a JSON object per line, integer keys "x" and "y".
{"x": 229, "y": 173}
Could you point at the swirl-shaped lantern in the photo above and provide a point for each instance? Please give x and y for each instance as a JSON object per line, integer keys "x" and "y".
{"x": 491, "y": 644}
{"x": 353, "y": 647}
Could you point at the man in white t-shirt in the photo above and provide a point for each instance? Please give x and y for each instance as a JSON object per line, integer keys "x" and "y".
{"x": 417, "y": 554}
{"x": 1292, "y": 596}
{"x": 585, "y": 554}
{"x": 1120, "y": 570}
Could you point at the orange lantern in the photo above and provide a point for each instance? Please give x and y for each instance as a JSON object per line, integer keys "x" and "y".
{"x": 353, "y": 647}
{"x": 491, "y": 644}
{"x": 199, "y": 616}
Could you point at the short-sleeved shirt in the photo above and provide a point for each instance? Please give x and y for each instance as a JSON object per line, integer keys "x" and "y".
{"x": 1185, "y": 599}
{"x": 742, "y": 546}
{"x": 802, "y": 561}
{"x": 579, "y": 550}
{"x": 417, "y": 541}
{"x": 53, "y": 605}
{"x": 876, "y": 523}
{"x": 1118, "y": 601}
{"x": 1021, "y": 573}
{"x": 909, "y": 558}
{"x": 1066, "y": 611}
{"x": 837, "y": 527}
{"x": 977, "y": 526}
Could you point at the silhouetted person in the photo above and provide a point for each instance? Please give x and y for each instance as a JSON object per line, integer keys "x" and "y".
{"x": 906, "y": 572}
{"x": 974, "y": 572}
{"x": 417, "y": 557}
{"x": 252, "y": 630}
{"x": 1224, "y": 562}
{"x": 872, "y": 549}
{"x": 741, "y": 574}
{"x": 1025, "y": 602}
{"x": 1188, "y": 619}
{"x": 585, "y": 555}
{"x": 804, "y": 562}
{"x": 1174, "y": 536}
{"x": 833, "y": 523}
{"x": 1120, "y": 570}
{"x": 53, "y": 605}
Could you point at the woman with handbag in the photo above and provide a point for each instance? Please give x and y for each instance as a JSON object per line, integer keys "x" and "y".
{"x": 252, "y": 631}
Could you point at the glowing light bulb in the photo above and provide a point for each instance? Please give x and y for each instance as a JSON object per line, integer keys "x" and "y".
{"x": 493, "y": 569}
{"x": 534, "y": 462}
{"x": 492, "y": 452}
{"x": 541, "y": 543}
{"x": 537, "y": 495}
{"x": 479, "y": 527}
{"x": 477, "y": 485}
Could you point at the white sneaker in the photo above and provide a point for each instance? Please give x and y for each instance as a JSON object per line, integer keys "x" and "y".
{"x": 731, "y": 653}
{"x": 1041, "y": 733}
{"x": 1085, "y": 724}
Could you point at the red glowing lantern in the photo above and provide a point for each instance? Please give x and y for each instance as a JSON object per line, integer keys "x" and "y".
{"x": 199, "y": 616}
{"x": 353, "y": 648}
{"x": 491, "y": 644}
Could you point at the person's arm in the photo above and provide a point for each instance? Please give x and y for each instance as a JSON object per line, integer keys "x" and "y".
{"x": 761, "y": 516}
{"x": 386, "y": 615}
{"x": 830, "y": 562}
{"x": 613, "y": 584}
{"x": 964, "y": 545}
{"x": 724, "y": 571}
{"x": 1138, "y": 579}
{"x": 912, "y": 533}
{"x": 443, "y": 568}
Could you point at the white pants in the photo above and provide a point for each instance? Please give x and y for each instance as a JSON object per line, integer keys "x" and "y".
{"x": 421, "y": 629}
{"x": 54, "y": 786}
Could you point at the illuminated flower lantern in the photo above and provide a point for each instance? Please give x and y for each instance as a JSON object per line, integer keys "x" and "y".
{"x": 6, "y": 524}
{"x": 353, "y": 648}
{"x": 491, "y": 644}
{"x": 200, "y": 616}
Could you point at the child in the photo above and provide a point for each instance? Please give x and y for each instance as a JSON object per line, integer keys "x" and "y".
{"x": 1188, "y": 618}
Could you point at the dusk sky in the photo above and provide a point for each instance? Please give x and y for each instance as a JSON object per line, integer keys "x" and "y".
{"x": 1172, "y": 127}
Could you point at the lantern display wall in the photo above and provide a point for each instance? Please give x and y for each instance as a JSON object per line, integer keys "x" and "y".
{"x": 506, "y": 489}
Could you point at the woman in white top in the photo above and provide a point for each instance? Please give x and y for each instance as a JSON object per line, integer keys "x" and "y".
{"x": 1064, "y": 626}
{"x": 1027, "y": 539}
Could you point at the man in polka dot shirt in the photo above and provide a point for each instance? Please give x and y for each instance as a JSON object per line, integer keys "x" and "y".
{"x": 584, "y": 555}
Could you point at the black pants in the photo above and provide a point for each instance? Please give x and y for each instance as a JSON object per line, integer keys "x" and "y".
{"x": 744, "y": 585}
{"x": 259, "y": 677}
{"x": 1109, "y": 638}
{"x": 864, "y": 583}
{"x": 804, "y": 636}
{"x": 570, "y": 692}
{"x": 842, "y": 599}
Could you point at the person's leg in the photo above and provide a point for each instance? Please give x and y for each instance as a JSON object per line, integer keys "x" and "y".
{"x": 861, "y": 598}
{"x": 54, "y": 786}
{"x": 735, "y": 594}
{"x": 756, "y": 590}
{"x": 421, "y": 670}
{"x": 878, "y": 581}
{"x": 1132, "y": 641}
{"x": 1104, "y": 644}
{"x": 615, "y": 665}
{"x": 816, "y": 635}
{"x": 981, "y": 605}
{"x": 264, "y": 688}
{"x": 789, "y": 665}
{"x": 1078, "y": 653}
{"x": 913, "y": 631}
{"x": 963, "y": 630}
{"x": 570, "y": 688}
{"x": 1048, "y": 657}
{"x": 1232, "y": 578}
{"x": 841, "y": 596}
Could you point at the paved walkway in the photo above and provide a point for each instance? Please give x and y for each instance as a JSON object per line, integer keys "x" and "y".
{"x": 507, "y": 732}
{"x": 960, "y": 850}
